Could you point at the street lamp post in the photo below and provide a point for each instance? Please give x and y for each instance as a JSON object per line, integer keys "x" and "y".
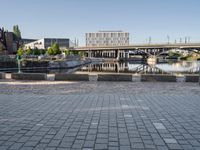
{"x": 199, "y": 75}
{"x": 18, "y": 64}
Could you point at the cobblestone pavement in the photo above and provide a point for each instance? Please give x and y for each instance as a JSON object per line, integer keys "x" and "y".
{"x": 99, "y": 115}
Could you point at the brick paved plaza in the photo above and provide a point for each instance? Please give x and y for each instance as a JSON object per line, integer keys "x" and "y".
{"x": 99, "y": 115}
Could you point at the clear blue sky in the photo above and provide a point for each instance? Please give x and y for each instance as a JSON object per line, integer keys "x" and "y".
{"x": 73, "y": 18}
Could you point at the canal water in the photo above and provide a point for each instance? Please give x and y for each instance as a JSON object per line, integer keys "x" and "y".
{"x": 169, "y": 67}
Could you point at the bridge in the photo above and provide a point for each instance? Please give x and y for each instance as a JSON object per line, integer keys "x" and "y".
{"x": 148, "y": 50}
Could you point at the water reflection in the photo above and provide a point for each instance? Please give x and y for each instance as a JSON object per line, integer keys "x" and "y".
{"x": 181, "y": 67}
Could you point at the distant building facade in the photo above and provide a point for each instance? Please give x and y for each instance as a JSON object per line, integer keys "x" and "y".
{"x": 47, "y": 42}
{"x": 11, "y": 45}
{"x": 26, "y": 41}
{"x": 107, "y": 38}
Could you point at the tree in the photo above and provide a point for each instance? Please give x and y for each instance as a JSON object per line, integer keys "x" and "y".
{"x": 17, "y": 35}
{"x": 29, "y": 51}
{"x": 20, "y": 52}
{"x": 43, "y": 51}
{"x": 50, "y": 51}
{"x": 3, "y": 39}
{"x": 36, "y": 51}
{"x": 56, "y": 49}
{"x": 174, "y": 54}
{"x": 67, "y": 52}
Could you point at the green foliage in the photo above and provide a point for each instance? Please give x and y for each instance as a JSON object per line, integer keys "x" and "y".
{"x": 190, "y": 58}
{"x": 74, "y": 52}
{"x": 50, "y": 51}
{"x": 174, "y": 54}
{"x": 16, "y": 32}
{"x": 20, "y": 52}
{"x": 81, "y": 54}
{"x": 29, "y": 51}
{"x": 43, "y": 51}
{"x": 54, "y": 49}
{"x": 67, "y": 52}
{"x": 36, "y": 51}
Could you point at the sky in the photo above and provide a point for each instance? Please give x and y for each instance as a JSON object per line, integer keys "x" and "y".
{"x": 157, "y": 19}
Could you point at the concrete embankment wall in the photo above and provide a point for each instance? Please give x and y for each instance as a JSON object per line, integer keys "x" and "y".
{"x": 2, "y": 75}
{"x": 71, "y": 77}
{"x": 159, "y": 78}
{"x": 192, "y": 78}
{"x": 29, "y": 76}
{"x": 114, "y": 77}
{"x": 104, "y": 77}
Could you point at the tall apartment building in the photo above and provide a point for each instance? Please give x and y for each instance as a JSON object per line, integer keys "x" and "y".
{"x": 107, "y": 38}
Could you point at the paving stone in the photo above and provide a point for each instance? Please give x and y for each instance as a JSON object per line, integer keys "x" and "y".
{"x": 16, "y": 146}
{"x": 101, "y": 146}
{"x": 159, "y": 126}
{"x": 56, "y": 116}
{"x": 174, "y": 146}
{"x": 170, "y": 141}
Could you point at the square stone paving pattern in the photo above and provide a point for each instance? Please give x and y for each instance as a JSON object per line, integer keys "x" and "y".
{"x": 99, "y": 116}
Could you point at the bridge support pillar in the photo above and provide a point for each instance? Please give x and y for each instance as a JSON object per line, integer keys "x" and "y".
{"x": 117, "y": 54}
{"x": 126, "y": 54}
{"x": 89, "y": 54}
{"x": 152, "y": 60}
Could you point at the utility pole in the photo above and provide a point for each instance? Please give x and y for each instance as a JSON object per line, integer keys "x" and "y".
{"x": 189, "y": 39}
{"x": 77, "y": 42}
{"x": 180, "y": 40}
{"x": 168, "y": 38}
{"x": 149, "y": 40}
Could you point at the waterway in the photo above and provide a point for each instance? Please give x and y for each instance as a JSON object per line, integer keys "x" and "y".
{"x": 169, "y": 67}
{"x": 132, "y": 67}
